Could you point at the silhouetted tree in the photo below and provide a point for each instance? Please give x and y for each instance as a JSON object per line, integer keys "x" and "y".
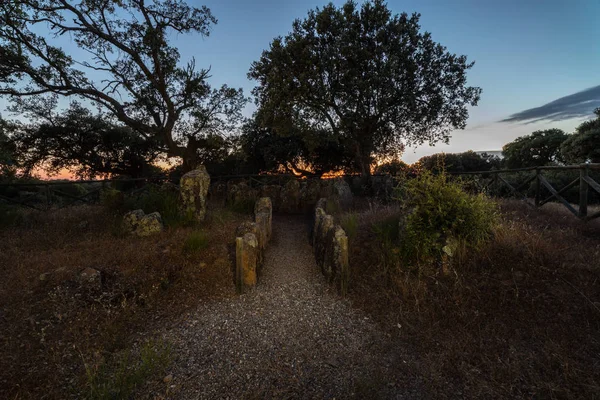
{"x": 131, "y": 69}
{"x": 7, "y": 150}
{"x": 535, "y": 150}
{"x": 584, "y": 144}
{"x": 76, "y": 139}
{"x": 367, "y": 77}
{"x": 458, "y": 162}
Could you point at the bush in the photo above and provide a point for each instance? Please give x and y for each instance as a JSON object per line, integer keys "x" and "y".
{"x": 444, "y": 219}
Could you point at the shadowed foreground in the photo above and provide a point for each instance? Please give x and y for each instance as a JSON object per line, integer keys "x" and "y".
{"x": 292, "y": 337}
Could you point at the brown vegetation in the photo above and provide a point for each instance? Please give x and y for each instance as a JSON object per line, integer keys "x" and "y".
{"x": 53, "y": 326}
{"x": 518, "y": 318}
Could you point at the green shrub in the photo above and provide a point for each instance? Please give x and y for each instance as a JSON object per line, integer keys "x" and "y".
{"x": 118, "y": 378}
{"x": 444, "y": 219}
{"x": 195, "y": 242}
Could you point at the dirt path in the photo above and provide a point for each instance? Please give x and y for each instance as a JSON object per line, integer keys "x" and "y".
{"x": 292, "y": 337}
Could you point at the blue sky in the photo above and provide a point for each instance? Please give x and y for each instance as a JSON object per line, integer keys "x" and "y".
{"x": 527, "y": 53}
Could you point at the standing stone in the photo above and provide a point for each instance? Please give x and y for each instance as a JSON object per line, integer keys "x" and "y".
{"x": 194, "y": 189}
{"x": 263, "y": 215}
{"x": 253, "y": 227}
{"x": 246, "y": 262}
{"x": 332, "y": 265}
{"x": 342, "y": 192}
{"x": 319, "y": 215}
{"x": 321, "y": 241}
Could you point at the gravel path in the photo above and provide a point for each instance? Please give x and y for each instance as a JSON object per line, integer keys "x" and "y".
{"x": 292, "y": 337}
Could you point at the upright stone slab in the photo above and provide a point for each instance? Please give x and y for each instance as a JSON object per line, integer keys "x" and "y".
{"x": 193, "y": 188}
{"x": 252, "y": 227}
{"x": 342, "y": 192}
{"x": 321, "y": 241}
{"x": 263, "y": 215}
{"x": 319, "y": 215}
{"x": 246, "y": 262}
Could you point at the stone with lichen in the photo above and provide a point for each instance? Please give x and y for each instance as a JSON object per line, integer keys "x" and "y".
{"x": 149, "y": 225}
{"x": 193, "y": 189}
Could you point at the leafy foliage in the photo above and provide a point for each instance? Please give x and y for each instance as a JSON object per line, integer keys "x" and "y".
{"x": 131, "y": 69}
{"x": 87, "y": 144}
{"x": 459, "y": 162}
{"x": 584, "y": 144}
{"x": 535, "y": 150}
{"x": 371, "y": 79}
{"x": 7, "y": 151}
{"x": 444, "y": 219}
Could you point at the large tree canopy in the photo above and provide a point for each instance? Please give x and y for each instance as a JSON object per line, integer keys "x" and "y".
{"x": 370, "y": 78}
{"x": 584, "y": 144}
{"x": 535, "y": 150}
{"x": 87, "y": 144}
{"x": 128, "y": 65}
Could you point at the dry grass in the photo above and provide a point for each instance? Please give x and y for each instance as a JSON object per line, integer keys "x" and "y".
{"x": 50, "y": 327}
{"x": 519, "y": 319}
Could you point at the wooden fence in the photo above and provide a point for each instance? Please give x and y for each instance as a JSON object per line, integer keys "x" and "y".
{"x": 42, "y": 195}
{"x": 583, "y": 180}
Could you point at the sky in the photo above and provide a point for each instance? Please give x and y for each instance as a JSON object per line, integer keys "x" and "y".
{"x": 536, "y": 60}
{"x": 527, "y": 53}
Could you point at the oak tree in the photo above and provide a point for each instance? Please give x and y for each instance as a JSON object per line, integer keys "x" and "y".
{"x": 373, "y": 79}
{"x": 126, "y": 62}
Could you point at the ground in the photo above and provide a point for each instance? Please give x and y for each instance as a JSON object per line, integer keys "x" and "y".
{"x": 521, "y": 319}
{"x": 291, "y": 337}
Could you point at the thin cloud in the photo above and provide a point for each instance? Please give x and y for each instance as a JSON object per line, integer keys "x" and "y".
{"x": 578, "y": 105}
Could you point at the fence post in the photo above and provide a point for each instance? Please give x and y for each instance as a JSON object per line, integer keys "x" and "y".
{"x": 583, "y": 190}
{"x": 537, "y": 187}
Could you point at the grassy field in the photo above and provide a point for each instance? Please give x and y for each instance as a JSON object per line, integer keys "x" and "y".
{"x": 60, "y": 336}
{"x": 518, "y": 319}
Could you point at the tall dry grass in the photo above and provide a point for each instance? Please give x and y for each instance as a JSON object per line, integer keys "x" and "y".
{"x": 519, "y": 318}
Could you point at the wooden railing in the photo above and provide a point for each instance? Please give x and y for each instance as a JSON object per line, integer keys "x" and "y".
{"x": 584, "y": 180}
{"x": 51, "y": 190}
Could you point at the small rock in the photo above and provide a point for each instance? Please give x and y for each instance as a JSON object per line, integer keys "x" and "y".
{"x": 90, "y": 277}
{"x": 44, "y": 276}
{"x": 168, "y": 378}
{"x": 202, "y": 265}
